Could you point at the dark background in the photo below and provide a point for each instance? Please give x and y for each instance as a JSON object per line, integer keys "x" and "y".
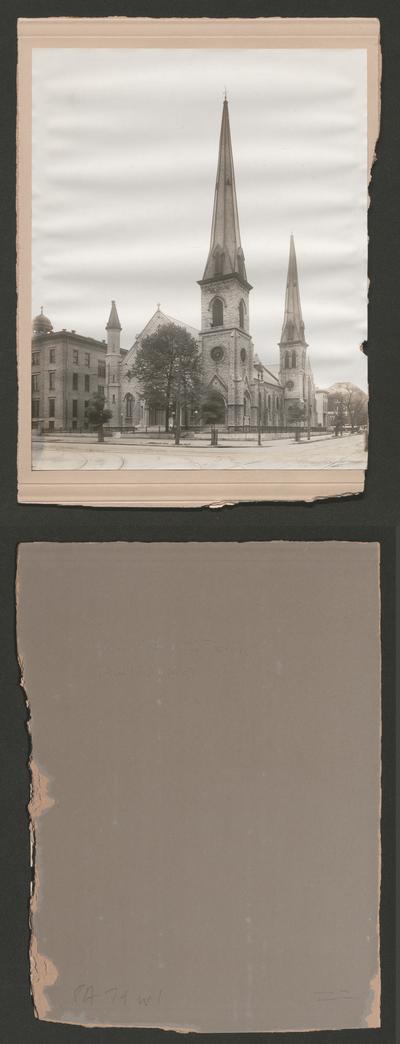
{"x": 370, "y": 516}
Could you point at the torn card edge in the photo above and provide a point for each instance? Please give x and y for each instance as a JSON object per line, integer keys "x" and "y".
{"x": 43, "y": 972}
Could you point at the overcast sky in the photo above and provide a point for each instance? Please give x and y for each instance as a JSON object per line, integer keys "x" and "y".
{"x": 125, "y": 147}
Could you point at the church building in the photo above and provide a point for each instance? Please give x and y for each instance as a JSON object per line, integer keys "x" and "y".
{"x": 248, "y": 391}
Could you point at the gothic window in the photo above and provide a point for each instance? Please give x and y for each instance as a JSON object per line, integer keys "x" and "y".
{"x": 217, "y": 312}
{"x": 269, "y": 402}
{"x": 287, "y": 360}
{"x": 294, "y": 363}
{"x": 129, "y": 400}
{"x": 241, "y": 314}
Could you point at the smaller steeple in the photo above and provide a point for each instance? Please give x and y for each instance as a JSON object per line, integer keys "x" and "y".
{"x": 113, "y": 331}
{"x": 113, "y": 322}
{"x": 293, "y": 326}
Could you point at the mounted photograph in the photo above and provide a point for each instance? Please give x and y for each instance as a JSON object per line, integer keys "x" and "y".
{"x": 198, "y": 263}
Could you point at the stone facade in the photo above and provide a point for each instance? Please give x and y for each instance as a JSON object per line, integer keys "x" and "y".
{"x": 227, "y": 350}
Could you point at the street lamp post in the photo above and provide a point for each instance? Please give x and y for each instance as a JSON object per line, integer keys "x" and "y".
{"x": 308, "y": 411}
{"x": 178, "y": 406}
{"x": 259, "y": 408}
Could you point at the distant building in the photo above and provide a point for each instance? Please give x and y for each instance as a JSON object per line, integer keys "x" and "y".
{"x": 321, "y": 405}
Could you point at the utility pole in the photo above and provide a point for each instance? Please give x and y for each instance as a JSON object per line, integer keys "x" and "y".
{"x": 178, "y": 406}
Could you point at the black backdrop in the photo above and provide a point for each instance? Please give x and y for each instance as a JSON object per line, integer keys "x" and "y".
{"x": 371, "y": 516}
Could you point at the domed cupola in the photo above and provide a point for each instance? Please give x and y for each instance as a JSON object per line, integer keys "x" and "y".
{"x": 41, "y": 324}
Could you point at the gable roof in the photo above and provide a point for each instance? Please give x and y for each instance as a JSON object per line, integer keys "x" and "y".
{"x": 158, "y": 319}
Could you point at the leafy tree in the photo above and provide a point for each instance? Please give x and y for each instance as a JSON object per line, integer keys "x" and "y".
{"x": 167, "y": 364}
{"x": 97, "y": 414}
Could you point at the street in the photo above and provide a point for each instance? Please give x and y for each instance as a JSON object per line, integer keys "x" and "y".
{"x": 80, "y": 455}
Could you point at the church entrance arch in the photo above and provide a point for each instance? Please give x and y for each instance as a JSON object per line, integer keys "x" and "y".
{"x": 219, "y": 407}
{"x": 213, "y": 410}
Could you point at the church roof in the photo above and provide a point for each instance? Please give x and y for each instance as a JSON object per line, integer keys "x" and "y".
{"x": 293, "y": 326}
{"x": 158, "y": 319}
{"x": 273, "y": 369}
{"x": 113, "y": 321}
{"x": 225, "y": 256}
{"x": 270, "y": 372}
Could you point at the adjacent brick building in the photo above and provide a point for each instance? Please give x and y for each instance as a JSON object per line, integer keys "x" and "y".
{"x": 66, "y": 369}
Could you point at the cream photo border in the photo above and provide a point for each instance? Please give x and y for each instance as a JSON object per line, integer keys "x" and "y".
{"x": 166, "y": 488}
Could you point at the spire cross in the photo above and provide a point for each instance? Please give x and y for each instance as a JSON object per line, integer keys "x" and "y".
{"x": 225, "y": 95}
{"x": 158, "y": 306}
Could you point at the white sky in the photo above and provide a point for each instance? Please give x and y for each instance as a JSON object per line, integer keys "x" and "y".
{"x": 125, "y": 147}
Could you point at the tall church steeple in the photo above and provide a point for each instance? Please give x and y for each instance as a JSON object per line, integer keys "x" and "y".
{"x": 293, "y": 326}
{"x": 227, "y": 348}
{"x": 225, "y": 257}
{"x": 295, "y": 373}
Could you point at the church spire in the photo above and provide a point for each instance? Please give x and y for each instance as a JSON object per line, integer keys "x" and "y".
{"x": 293, "y": 326}
{"x": 225, "y": 256}
{"x": 113, "y": 321}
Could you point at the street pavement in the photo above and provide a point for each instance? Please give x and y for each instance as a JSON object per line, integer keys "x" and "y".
{"x": 330, "y": 452}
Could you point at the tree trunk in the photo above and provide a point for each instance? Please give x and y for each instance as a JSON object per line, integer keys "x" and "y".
{"x": 100, "y": 433}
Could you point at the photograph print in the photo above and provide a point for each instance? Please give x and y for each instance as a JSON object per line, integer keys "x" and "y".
{"x": 199, "y": 259}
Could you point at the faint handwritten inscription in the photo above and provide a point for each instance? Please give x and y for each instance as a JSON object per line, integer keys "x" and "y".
{"x": 86, "y": 994}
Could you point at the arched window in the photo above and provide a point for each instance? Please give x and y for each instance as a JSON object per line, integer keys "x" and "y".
{"x": 241, "y": 314}
{"x": 294, "y": 362}
{"x": 217, "y": 312}
{"x": 269, "y": 402}
{"x": 287, "y": 360}
{"x": 128, "y": 406}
